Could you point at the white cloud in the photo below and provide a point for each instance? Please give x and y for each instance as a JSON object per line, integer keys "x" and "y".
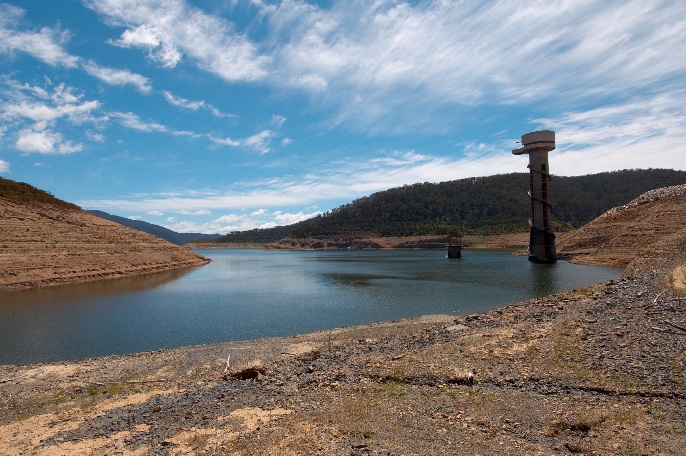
{"x": 39, "y": 105}
{"x": 198, "y": 212}
{"x": 4, "y": 166}
{"x": 376, "y": 58}
{"x": 182, "y": 102}
{"x": 231, "y": 218}
{"x": 193, "y": 105}
{"x": 224, "y": 141}
{"x": 239, "y": 222}
{"x": 45, "y": 44}
{"x": 131, "y": 120}
{"x": 149, "y": 38}
{"x": 45, "y": 142}
{"x": 134, "y": 217}
{"x": 278, "y": 120}
{"x": 259, "y": 142}
{"x": 210, "y": 42}
{"x": 155, "y": 213}
{"x": 95, "y": 137}
{"x": 117, "y": 77}
{"x": 289, "y": 219}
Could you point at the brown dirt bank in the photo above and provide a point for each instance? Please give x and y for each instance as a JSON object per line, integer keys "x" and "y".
{"x": 43, "y": 245}
{"x": 625, "y": 232}
{"x": 500, "y": 241}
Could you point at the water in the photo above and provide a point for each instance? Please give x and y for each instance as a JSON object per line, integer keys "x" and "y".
{"x": 246, "y": 294}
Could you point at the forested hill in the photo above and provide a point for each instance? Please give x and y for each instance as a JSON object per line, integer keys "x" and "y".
{"x": 485, "y": 205}
{"x": 480, "y": 205}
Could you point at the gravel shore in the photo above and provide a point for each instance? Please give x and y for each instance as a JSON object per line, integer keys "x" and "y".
{"x": 592, "y": 371}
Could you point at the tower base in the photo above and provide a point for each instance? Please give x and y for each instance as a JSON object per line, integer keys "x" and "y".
{"x": 542, "y": 246}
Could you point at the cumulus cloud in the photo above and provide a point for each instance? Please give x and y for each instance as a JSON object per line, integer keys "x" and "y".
{"x": 149, "y": 38}
{"x": 4, "y": 166}
{"x": 45, "y": 142}
{"x": 155, "y": 213}
{"x": 46, "y": 44}
{"x": 32, "y": 113}
{"x": 39, "y": 105}
{"x": 117, "y": 77}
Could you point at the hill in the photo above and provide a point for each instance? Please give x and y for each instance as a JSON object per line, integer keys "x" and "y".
{"x": 484, "y": 205}
{"x": 643, "y": 227}
{"x": 45, "y": 241}
{"x": 156, "y": 230}
{"x": 474, "y": 206}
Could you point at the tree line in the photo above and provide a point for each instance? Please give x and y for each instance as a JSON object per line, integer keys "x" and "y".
{"x": 474, "y": 206}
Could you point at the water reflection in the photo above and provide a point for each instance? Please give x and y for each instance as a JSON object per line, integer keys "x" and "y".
{"x": 250, "y": 293}
{"x": 93, "y": 289}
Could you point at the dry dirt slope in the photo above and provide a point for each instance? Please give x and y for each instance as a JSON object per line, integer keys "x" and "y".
{"x": 638, "y": 228}
{"x": 43, "y": 244}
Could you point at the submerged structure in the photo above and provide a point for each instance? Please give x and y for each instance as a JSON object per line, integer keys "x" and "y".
{"x": 455, "y": 246}
{"x": 536, "y": 145}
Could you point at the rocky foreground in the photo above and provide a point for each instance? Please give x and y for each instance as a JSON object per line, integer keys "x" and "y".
{"x": 600, "y": 370}
{"x": 44, "y": 245}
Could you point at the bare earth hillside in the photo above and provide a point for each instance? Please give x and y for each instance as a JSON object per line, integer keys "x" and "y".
{"x": 43, "y": 244}
{"x": 595, "y": 371}
{"x": 618, "y": 236}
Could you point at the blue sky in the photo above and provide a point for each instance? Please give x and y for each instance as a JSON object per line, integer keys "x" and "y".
{"x": 217, "y": 116}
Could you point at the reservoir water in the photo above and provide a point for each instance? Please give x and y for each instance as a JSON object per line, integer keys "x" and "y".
{"x": 247, "y": 294}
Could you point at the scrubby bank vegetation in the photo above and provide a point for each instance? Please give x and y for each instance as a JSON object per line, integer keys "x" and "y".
{"x": 21, "y": 192}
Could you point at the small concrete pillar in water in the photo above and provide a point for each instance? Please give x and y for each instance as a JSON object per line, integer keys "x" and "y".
{"x": 536, "y": 145}
{"x": 455, "y": 247}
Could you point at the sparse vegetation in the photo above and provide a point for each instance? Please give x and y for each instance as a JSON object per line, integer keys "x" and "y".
{"x": 21, "y": 192}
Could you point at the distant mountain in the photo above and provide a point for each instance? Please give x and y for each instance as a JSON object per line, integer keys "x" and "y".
{"x": 155, "y": 230}
{"x": 477, "y": 206}
{"x": 262, "y": 235}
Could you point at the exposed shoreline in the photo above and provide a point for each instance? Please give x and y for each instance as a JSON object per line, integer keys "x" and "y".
{"x": 496, "y": 241}
{"x": 598, "y": 370}
{"x": 590, "y": 370}
{"x": 45, "y": 245}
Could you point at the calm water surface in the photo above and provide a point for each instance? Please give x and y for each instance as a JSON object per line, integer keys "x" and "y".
{"x": 246, "y": 294}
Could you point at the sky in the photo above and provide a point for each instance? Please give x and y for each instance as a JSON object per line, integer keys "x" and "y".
{"x": 219, "y": 116}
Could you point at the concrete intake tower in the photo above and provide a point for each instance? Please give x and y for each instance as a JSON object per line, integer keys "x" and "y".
{"x": 537, "y": 144}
